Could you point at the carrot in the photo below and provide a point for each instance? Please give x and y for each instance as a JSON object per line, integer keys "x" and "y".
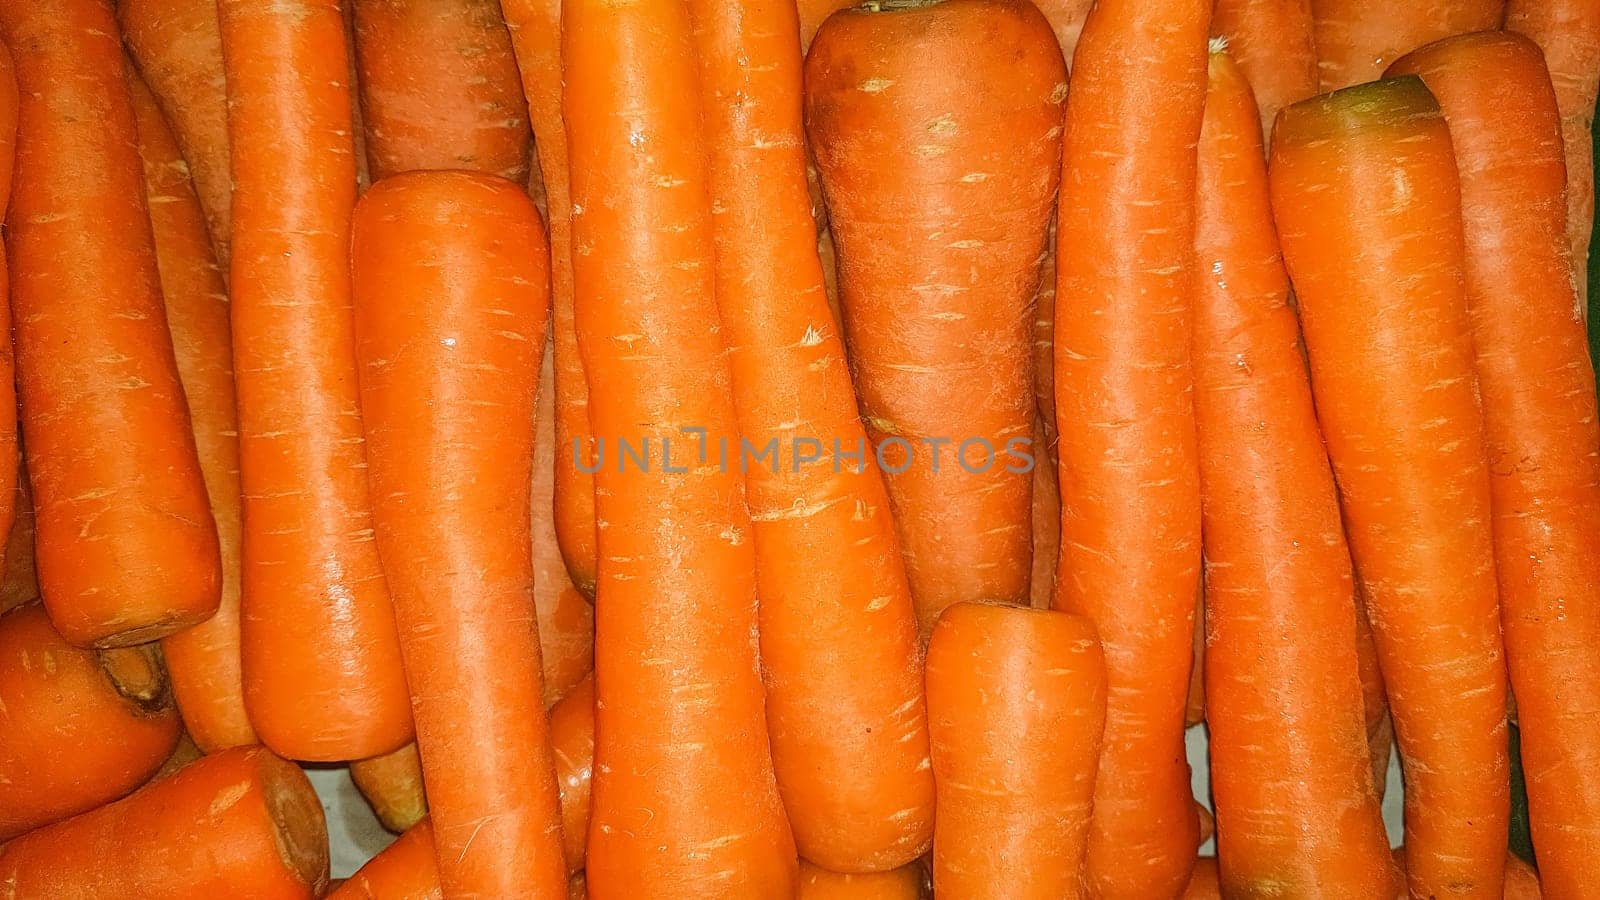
{"x": 78, "y": 728}
{"x": 677, "y": 680}
{"x": 572, "y": 742}
{"x": 1290, "y": 773}
{"x": 1205, "y": 883}
{"x": 239, "y": 818}
{"x": 1046, "y": 524}
{"x": 178, "y": 46}
{"x": 1357, "y": 39}
{"x": 817, "y": 883}
{"x": 1044, "y": 356}
{"x": 1522, "y": 883}
{"x": 1374, "y": 699}
{"x": 1271, "y": 41}
{"x": 566, "y": 620}
{"x": 939, "y": 187}
{"x": 1130, "y": 531}
{"x": 1066, "y": 20}
{"x": 405, "y": 870}
{"x": 1568, "y": 31}
{"x": 127, "y": 551}
{"x": 454, "y": 262}
{"x": 839, "y": 647}
{"x": 1364, "y": 192}
{"x": 322, "y": 670}
{"x": 1016, "y": 704}
{"x": 18, "y": 582}
{"x": 392, "y": 785}
{"x": 1539, "y": 424}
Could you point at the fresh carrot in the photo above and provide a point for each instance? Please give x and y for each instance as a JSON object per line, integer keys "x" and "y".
{"x": 1357, "y": 39}
{"x": 127, "y": 551}
{"x": 1271, "y": 41}
{"x": 817, "y": 883}
{"x": 566, "y": 620}
{"x": 1365, "y": 195}
{"x": 322, "y": 672}
{"x": 451, "y": 297}
{"x": 178, "y": 46}
{"x": 839, "y": 647}
{"x": 1066, "y": 20}
{"x": 1568, "y": 31}
{"x": 78, "y": 728}
{"x": 392, "y": 785}
{"x": 1130, "y": 532}
{"x": 405, "y": 870}
{"x": 18, "y": 581}
{"x": 1522, "y": 882}
{"x": 1540, "y": 424}
{"x": 572, "y": 742}
{"x": 936, "y": 128}
{"x": 1046, "y": 524}
{"x": 1290, "y": 772}
{"x": 677, "y": 680}
{"x": 1016, "y": 704}
{"x": 239, "y": 819}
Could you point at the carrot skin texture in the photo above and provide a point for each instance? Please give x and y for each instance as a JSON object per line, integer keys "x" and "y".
{"x": 572, "y": 743}
{"x": 1272, "y": 42}
{"x": 1130, "y": 533}
{"x": 1540, "y": 425}
{"x": 322, "y": 671}
{"x": 1357, "y": 39}
{"x": 817, "y": 883}
{"x": 405, "y": 870}
{"x": 1366, "y": 198}
{"x": 1290, "y": 771}
{"x": 392, "y": 785}
{"x": 451, "y": 297}
{"x": 566, "y": 618}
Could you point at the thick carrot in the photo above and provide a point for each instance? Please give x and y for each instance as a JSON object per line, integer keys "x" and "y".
{"x": 1130, "y": 533}
{"x": 451, "y": 298}
{"x": 1365, "y": 195}
{"x": 839, "y": 647}
{"x": 1066, "y": 20}
{"x": 322, "y": 670}
{"x": 1290, "y": 773}
{"x": 817, "y": 883}
{"x": 1357, "y": 39}
{"x": 1016, "y": 704}
{"x": 127, "y": 551}
{"x": 242, "y": 818}
{"x": 178, "y": 46}
{"x": 1539, "y": 423}
{"x": 936, "y": 128}
{"x": 572, "y": 742}
{"x": 78, "y": 728}
{"x": 18, "y": 581}
{"x": 392, "y": 785}
{"x": 677, "y": 680}
{"x": 405, "y": 870}
{"x": 1271, "y": 41}
{"x": 566, "y": 620}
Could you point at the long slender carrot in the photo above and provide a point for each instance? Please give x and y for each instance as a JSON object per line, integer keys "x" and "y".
{"x": 1130, "y": 533}
{"x": 677, "y": 680}
{"x": 1272, "y": 43}
{"x": 1365, "y": 195}
{"x": 566, "y": 620}
{"x": 572, "y": 742}
{"x": 127, "y": 551}
{"x": 1568, "y": 31}
{"x": 1290, "y": 773}
{"x": 405, "y": 870}
{"x": 1016, "y": 704}
{"x": 392, "y": 785}
{"x": 239, "y": 819}
{"x": 78, "y": 728}
{"x": 1066, "y": 20}
{"x": 323, "y": 679}
{"x": 839, "y": 647}
{"x": 1539, "y": 423}
{"x": 817, "y": 883}
{"x": 937, "y": 131}
{"x": 1357, "y": 39}
{"x": 451, "y": 297}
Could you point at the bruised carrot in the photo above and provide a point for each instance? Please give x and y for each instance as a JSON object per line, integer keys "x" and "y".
{"x": 1046, "y": 524}
{"x": 817, "y": 883}
{"x": 1271, "y": 41}
{"x": 1357, "y": 39}
{"x": 451, "y": 297}
{"x": 322, "y": 672}
{"x": 1540, "y": 424}
{"x": 1016, "y": 704}
{"x": 939, "y": 191}
{"x": 127, "y": 551}
{"x": 405, "y": 870}
{"x": 1130, "y": 533}
{"x": 392, "y": 785}
{"x": 1290, "y": 773}
{"x": 1365, "y": 195}
{"x": 78, "y": 728}
{"x": 18, "y": 582}
{"x": 566, "y": 620}
{"x": 242, "y": 818}
{"x": 572, "y": 743}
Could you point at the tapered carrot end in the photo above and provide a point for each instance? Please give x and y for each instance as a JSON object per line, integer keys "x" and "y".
{"x": 1402, "y": 104}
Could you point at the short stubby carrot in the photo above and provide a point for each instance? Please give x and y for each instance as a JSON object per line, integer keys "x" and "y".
{"x": 1016, "y": 705}
{"x": 1296, "y": 810}
{"x": 572, "y": 742}
{"x": 1271, "y": 42}
{"x": 392, "y": 785}
{"x": 322, "y": 673}
{"x": 405, "y": 870}
{"x": 677, "y": 676}
{"x": 1357, "y": 39}
{"x": 1540, "y": 425}
{"x": 817, "y": 883}
{"x": 451, "y": 297}
{"x": 936, "y": 128}
{"x": 1130, "y": 478}
{"x": 1366, "y": 199}
{"x": 127, "y": 550}
{"x": 566, "y": 619}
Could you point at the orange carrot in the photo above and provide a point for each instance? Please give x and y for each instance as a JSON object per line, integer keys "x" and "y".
{"x": 1357, "y": 39}
{"x": 1540, "y": 425}
{"x": 392, "y": 785}
{"x": 405, "y": 870}
{"x": 936, "y": 130}
{"x": 1066, "y": 20}
{"x": 572, "y": 743}
{"x": 1046, "y": 524}
{"x": 1194, "y": 711}
{"x": 18, "y": 581}
{"x": 127, "y": 548}
{"x": 1271, "y": 41}
{"x": 566, "y": 620}
{"x": 1374, "y": 700}
{"x": 322, "y": 670}
{"x": 1130, "y": 531}
{"x": 1016, "y": 704}
{"x": 1290, "y": 772}
{"x": 1522, "y": 883}
{"x": 817, "y": 883}
{"x": 1365, "y": 195}
{"x": 451, "y": 297}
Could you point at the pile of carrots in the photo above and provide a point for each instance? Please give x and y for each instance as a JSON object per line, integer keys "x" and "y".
{"x": 687, "y": 449}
